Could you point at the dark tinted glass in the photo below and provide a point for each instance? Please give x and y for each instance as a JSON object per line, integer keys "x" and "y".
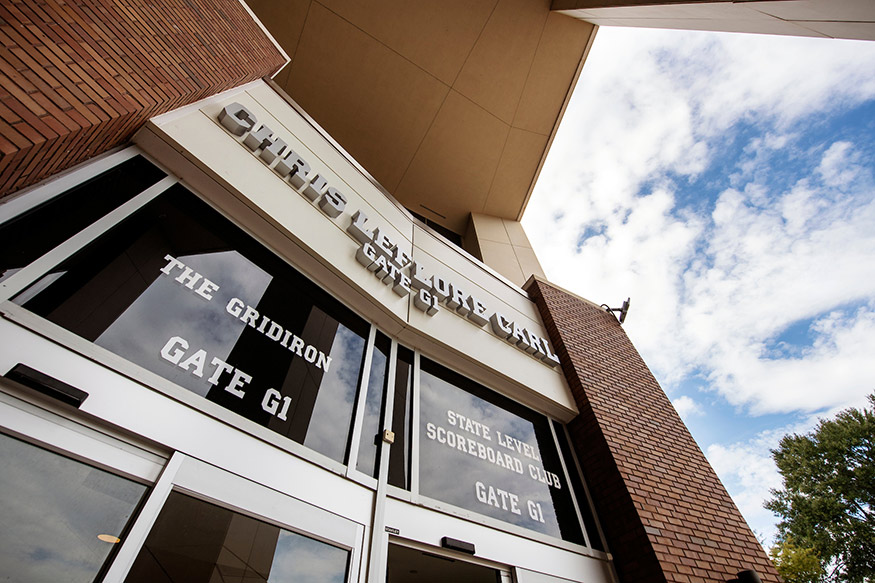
{"x": 179, "y": 290}
{"x": 399, "y": 453}
{"x": 197, "y": 542}
{"x": 406, "y": 565}
{"x": 595, "y": 540}
{"x": 450, "y": 236}
{"x": 33, "y": 233}
{"x": 483, "y": 452}
{"x": 369, "y": 446}
{"x": 53, "y": 510}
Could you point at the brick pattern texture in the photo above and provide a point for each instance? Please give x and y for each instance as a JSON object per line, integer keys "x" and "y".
{"x": 78, "y": 78}
{"x": 665, "y": 513}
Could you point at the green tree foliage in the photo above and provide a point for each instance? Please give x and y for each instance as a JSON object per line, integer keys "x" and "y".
{"x": 796, "y": 564}
{"x": 827, "y": 503}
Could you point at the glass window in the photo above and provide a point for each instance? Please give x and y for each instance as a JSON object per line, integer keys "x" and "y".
{"x": 452, "y": 237}
{"x": 62, "y": 519}
{"x": 595, "y": 541}
{"x": 399, "y": 453}
{"x": 31, "y": 234}
{"x": 179, "y": 290}
{"x": 197, "y": 542}
{"x": 372, "y": 421}
{"x": 483, "y": 452}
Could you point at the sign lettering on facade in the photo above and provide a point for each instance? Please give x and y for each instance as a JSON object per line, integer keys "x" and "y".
{"x": 180, "y": 291}
{"x": 377, "y": 252}
{"x": 490, "y": 455}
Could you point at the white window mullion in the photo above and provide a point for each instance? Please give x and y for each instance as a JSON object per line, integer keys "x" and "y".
{"x": 566, "y": 473}
{"x": 379, "y": 538}
{"x": 414, "y": 430}
{"x": 44, "y": 264}
{"x": 130, "y": 548}
{"x": 360, "y": 408}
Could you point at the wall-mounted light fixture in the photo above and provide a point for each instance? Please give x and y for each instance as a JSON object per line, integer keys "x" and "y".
{"x": 624, "y": 309}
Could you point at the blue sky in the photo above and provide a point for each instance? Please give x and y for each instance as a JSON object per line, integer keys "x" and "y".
{"x": 726, "y": 183}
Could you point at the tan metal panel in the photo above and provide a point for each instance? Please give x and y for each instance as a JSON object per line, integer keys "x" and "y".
{"x": 501, "y": 258}
{"x": 517, "y": 234}
{"x": 528, "y": 262}
{"x": 453, "y": 169}
{"x": 376, "y": 103}
{"x": 490, "y": 228}
{"x": 495, "y": 74}
{"x": 437, "y": 35}
{"x": 519, "y": 162}
{"x": 557, "y": 59}
{"x": 284, "y": 20}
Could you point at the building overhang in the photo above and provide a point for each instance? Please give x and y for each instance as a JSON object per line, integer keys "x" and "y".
{"x": 846, "y": 19}
{"x": 450, "y": 107}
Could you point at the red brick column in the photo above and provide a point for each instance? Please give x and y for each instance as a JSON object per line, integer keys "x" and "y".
{"x": 78, "y": 78}
{"x": 666, "y": 515}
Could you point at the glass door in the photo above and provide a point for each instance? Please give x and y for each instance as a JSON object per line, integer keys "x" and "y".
{"x": 69, "y": 492}
{"x": 416, "y": 565}
{"x": 203, "y": 524}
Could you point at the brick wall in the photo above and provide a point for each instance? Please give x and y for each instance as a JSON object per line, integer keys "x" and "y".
{"x": 666, "y": 515}
{"x": 78, "y": 78}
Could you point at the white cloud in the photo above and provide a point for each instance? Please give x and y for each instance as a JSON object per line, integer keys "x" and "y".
{"x": 713, "y": 284}
{"x": 785, "y": 240}
{"x": 806, "y": 253}
{"x": 686, "y": 407}
{"x": 757, "y": 153}
{"x": 836, "y": 371}
{"x": 839, "y": 166}
{"x": 749, "y": 474}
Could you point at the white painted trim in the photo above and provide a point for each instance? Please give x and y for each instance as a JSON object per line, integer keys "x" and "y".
{"x": 379, "y": 538}
{"x": 440, "y": 551}
{"x": 143, "y": 524}
{"x": 215, "y": 485}
{"x": 359, "y": 413}
{"x": 414, "y": 430}
{"x": 418, "y": 523}
{"x": 44, "y": 424}
{"x": 490, "y": 522}
{"x": 159, "y": 384}
{"x": 206, "y": 482}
